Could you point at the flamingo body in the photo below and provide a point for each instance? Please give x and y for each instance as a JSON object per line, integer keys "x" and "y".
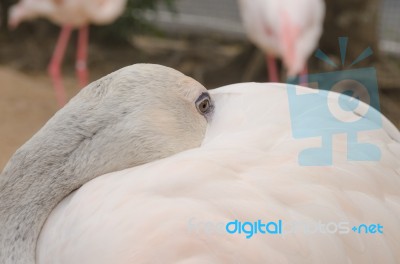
{"x": 169, "y": 211}
{"x": 75, "y": 13}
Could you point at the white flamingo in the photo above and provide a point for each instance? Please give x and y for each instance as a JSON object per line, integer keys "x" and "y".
{"x": 69, "y": 14}
{"x": 287, "y": 29}
{"x": 167, "y": 211}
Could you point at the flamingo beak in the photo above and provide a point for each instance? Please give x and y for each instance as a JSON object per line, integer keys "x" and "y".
{"x": 289, "y": 35}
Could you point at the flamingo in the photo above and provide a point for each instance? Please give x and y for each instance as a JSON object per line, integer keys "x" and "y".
{"x": 287, "y": 29}
{"x": 69, "y": 14}
{"x": 239, "y": 162}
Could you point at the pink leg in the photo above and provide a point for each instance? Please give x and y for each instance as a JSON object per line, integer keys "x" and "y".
{"x": 81, "y": 56}
{"x": 272, "y": 69}
{"x": 303, "y": 76}
{"x": 54, "y": 67}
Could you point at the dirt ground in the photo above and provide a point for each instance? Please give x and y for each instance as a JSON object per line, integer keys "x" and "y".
{"x": 27, "y": 99}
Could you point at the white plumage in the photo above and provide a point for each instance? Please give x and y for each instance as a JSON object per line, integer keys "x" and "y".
{"x": 246, "y": 169}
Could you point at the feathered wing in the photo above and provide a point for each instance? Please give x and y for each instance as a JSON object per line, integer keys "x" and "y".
{"x": 175, "y": 210}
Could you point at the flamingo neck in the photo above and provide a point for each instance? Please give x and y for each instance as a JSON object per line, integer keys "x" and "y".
{"x": 65, "y": 154}
{"x": 36, "y": 179}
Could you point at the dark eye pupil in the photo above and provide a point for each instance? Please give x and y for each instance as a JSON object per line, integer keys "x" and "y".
{"x": 204, "y": 105}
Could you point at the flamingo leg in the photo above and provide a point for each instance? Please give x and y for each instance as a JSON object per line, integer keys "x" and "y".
{"x": 304, "y": 76}
{"x": 54, "y": 68}
{"x": 81, "y": 56}
{"x": 272, "y": 69}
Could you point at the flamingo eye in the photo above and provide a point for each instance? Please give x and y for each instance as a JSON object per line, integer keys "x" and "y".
{"x": 203, "y": 103}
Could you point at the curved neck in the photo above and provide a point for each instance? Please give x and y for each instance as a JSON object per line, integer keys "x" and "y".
{"x": 65, "y": 154}
{"x": 35, "y": 180}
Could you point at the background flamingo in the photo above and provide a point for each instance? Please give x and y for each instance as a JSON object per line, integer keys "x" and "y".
{"x": 69, "y": 14}
{"x": 287, "y": 29}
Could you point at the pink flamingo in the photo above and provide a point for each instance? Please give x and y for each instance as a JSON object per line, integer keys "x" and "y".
{"x": 289, "y": 29}
{"x": 69, "y": 14}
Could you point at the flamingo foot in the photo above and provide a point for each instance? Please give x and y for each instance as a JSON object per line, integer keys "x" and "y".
{"x": 304, "y": 77}
{"x": 81, "y": 57}
{"x": 55, "y": 75}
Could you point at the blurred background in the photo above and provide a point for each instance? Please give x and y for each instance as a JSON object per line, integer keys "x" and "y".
{"x": 203, "y": 39}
